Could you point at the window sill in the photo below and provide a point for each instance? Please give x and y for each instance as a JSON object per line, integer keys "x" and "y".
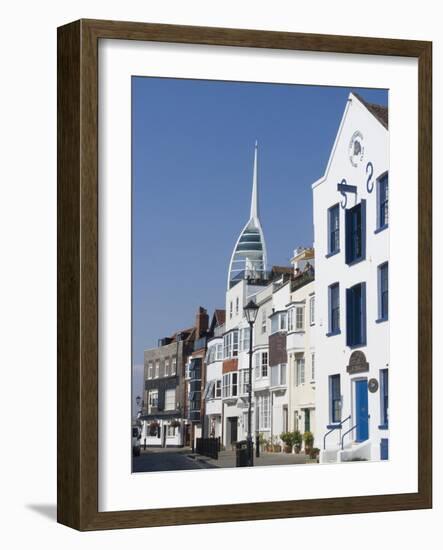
{"x": 383, "y": 427}
{"x": 382, "y": 320}
{"x": 330, "y": 254}
{"x": 335, "y": 333}
{"x": 356, "y": 261}
{"x": 380, "y": 229}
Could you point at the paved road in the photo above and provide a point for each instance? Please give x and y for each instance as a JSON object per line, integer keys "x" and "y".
{"x": 156, "y": 461}
{"x": 163, "y": 460}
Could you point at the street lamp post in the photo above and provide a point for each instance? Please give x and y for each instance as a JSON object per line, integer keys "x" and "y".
{"x": 251, "y": 310}
{"x": 138, "y": 400}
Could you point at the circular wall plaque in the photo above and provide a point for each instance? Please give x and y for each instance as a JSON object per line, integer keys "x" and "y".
{"x": 356, "y": 149}
{"x": 373, "y": 385}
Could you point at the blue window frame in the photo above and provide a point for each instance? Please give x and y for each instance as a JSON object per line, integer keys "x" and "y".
{"x": 383, "y": 292}
{"x": 356, "y": 233}
{"x": 334, "y": 309}
{"x": 384, "y": 399}
{"x": 356, "y": 315}
{"x": 334, "y": 399}
{"x": 333, "y": 230}
{"x": 383, "y": 202}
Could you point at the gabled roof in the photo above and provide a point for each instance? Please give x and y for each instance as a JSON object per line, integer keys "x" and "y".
{"x": 218, "y": 319}
{"x": 220, "y": 316}
{"x": 379, "y": 111}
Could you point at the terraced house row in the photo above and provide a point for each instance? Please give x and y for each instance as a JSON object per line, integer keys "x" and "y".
{"x": 320, "y": 341}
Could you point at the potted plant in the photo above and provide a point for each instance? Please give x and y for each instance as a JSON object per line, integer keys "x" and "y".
{"x": 262, "y": 441}
{"x": 298, "y": 440}
{"x": 276, "y": 445}
{"x": 314, "y": 453}
{"x": 308, "y": 438}
{"x": 288, "y": 440}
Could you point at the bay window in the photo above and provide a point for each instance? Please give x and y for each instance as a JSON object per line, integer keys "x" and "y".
{"x": 279, "y": 322}
{"x": 261, "y": 364}
{"x": 299, "y": 318}
{"x": 230, "y": 385}
{"x": 278, "y": 375}
{"x": 230, "y": 344}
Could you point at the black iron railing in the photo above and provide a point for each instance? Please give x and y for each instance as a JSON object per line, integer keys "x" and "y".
{"x": 208, "y": 446}
{"x": 339, "y": 426}
{"x": 302, "y": 280}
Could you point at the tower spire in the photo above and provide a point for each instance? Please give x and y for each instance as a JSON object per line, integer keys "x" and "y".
{"x": 248, "y": 260}
{"x": 254, "y": 198}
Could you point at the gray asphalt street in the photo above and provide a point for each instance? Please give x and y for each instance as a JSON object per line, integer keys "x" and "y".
{"x": 162, "y": 460}
{"x": 154, "y": 461}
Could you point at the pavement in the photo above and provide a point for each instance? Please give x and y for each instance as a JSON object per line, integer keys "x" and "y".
{"x": 227, "y": 459}
{"x": 172, "y": 459}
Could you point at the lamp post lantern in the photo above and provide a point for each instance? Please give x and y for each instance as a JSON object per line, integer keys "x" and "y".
{"x": 251, "y": 311}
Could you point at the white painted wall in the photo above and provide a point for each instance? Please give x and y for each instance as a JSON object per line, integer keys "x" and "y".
{"x": 214, "y": 407}
{"x": 332, "y": 354}
{"x": 302, "y": 344}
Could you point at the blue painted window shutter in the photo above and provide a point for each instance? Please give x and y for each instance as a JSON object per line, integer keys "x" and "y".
{"x": 356, "y": 315}
{"x": 348, "y": 234}
{"x": 384, "y": 397}
{"x": 363, "y": 229}
{"x": 349, "y": 315}
{"x": 363, "y": 314}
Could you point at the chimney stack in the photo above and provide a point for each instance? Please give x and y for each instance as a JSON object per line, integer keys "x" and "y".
{"x": 201, "y": 321}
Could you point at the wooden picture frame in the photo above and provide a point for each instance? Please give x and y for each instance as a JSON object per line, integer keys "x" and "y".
{"x": 77, "y": 455}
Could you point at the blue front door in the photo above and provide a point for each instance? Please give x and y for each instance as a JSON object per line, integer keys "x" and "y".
{"x": 361, "y": 410}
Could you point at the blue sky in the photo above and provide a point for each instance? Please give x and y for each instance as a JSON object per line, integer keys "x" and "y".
{"x": 193, "y": 145}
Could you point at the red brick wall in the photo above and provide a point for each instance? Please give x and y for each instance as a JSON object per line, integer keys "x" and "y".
{"x": 230, "y": 365}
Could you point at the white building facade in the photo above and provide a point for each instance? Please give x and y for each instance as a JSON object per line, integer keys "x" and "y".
{"x": 351, "y": 226}
{"x": 213, "y": 387}
{"x": 301, "y": 345}
{"x": 235, "y": 367}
